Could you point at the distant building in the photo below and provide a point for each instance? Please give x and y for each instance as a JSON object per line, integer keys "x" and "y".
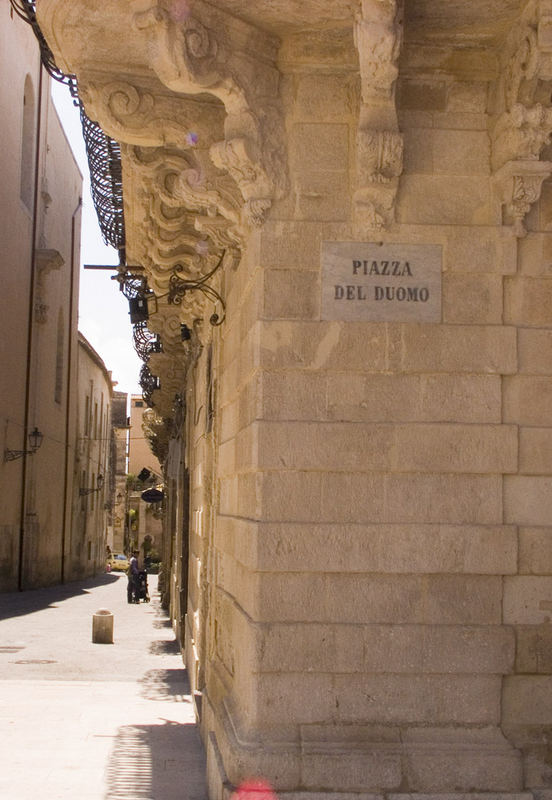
{"x": 121, "y": 426}
{"x": 92, "y": 493}
{"x": 139, "y": 453}
{"x": 145, "y": 527}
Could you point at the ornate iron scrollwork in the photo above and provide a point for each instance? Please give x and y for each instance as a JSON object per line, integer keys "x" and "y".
{"x": 135, "y": 288}
{"x": 145, "y": 342}
{"x": 179, "y": 286}
{"x": 131, "y": 284}
{"x": 148, "y": 383}
{"x": 106, "y": 181}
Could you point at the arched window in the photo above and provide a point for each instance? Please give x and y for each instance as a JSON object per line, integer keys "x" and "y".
{"x": 28, "y": 143}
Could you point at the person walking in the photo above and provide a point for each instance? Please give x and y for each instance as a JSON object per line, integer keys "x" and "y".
{"x": 133, "y": 578}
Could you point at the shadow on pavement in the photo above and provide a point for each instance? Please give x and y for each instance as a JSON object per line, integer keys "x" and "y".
{"x": 17, "y": 604}
{"x": 162, "y": 623}
{"x": 165, "y": 684}
{"x": 165, "y": 762}
{"x": 164, "y": 647}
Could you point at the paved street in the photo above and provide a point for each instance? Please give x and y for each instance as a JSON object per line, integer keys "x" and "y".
{"x": 92, "y": 721}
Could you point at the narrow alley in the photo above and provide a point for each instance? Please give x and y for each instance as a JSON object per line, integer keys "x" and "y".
{"x": 93, "y": 721}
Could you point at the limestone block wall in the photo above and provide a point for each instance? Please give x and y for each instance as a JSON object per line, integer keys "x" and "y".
{"x": 378, "y": 589}
{"x": 527, "y": 594}
{"x": 197, "y": 526}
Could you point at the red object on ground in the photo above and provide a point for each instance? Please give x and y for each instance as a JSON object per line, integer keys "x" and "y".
{"x": 254, "y": 790}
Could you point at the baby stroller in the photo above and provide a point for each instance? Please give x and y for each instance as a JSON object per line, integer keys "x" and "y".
{"x": 141, "y": 587}
{"x": 138, "y": 588}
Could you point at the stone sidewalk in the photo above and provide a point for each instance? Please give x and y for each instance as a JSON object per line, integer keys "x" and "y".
{"x": 90, "y": 721}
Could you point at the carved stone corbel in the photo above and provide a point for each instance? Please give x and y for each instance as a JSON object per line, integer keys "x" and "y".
{"x": 522, "y": 125}
{"x": 188, "y": 180}
{"x": 170, "y": 363}
{"x": 171, "y": 241}
{"x": 135, "y": 115}
{"x": 170, "y": 368}
{"x": 208, "y": 51}
{"x": 378, "y": 37}
{"x": 518, "y": 185}
{"x": 521, "y": 133}
{"x": 167, "y": 327}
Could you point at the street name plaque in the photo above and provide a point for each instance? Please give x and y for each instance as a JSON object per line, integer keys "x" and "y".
{"x": 363, "y": 281}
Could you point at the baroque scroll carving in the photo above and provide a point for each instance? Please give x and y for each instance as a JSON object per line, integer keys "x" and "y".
{"x": 130, "y": 113}
{"x": 378, "y": 37}
{"x": 185, "y": 127}
{"x": 170, "y": 367}
{"x": 188, "y": 183}
{"x": 522, "y": 125}
{"x": 237, "y": 65}
{"x": 171, "y": 204}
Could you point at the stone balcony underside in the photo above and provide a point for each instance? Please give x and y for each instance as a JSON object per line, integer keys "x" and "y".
{"x": 192, "y": 90}
{"x": 438, "y": 22}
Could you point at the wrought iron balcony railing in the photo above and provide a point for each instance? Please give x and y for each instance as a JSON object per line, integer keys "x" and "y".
{"x": 145, "y": 342}
{"x": 148, "y": 383}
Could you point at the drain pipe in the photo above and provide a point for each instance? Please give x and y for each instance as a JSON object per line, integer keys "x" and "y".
{"x": 30, "y": 342}
{"x": 68, "y": 400}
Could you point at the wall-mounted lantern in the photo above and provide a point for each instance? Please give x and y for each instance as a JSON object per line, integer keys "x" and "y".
{"x": 35, "y": 440}
{"x": 138, "y": 309}
{"x": 99, "y": 487}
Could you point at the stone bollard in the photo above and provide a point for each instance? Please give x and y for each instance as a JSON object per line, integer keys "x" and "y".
{"x": 102, "y": 627}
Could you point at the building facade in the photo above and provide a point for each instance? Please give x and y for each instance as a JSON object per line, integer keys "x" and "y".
{"x": 140, "y": 455}
{"x": 146, "y": 529}
{"x": 121, "y": 424}
{"x": 343, "y": 211}
{"x": 48, "y": 368}
{"x": 39, "y": 245}
{"x": 93, "y": 492}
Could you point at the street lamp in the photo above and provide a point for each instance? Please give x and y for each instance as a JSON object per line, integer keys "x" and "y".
{"x": 99, "y": 487}
{"x": 35, "y": 440}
